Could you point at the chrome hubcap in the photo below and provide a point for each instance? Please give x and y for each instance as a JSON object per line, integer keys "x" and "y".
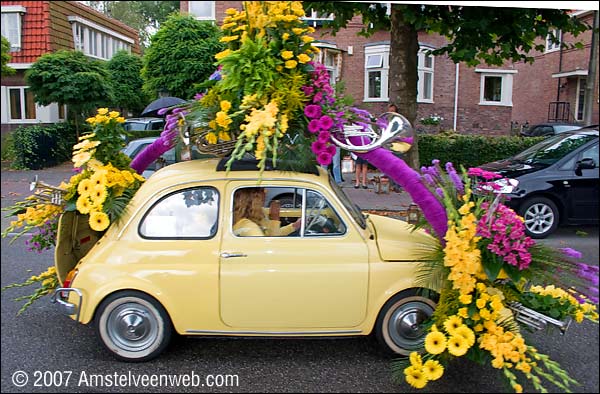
{"x": 132, "y": 327}
{"x": 539, "y": 218}
{"x": 405, "y": 325}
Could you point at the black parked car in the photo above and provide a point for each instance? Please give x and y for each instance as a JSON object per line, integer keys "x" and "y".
{"x": 556, "y": 181}
{"x": 550, "y": 128}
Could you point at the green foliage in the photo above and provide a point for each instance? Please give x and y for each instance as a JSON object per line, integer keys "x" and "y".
{"x": 475, "y": 35}
{"x": 71, "y": 78}
{"x": 6, "y": 58}
{"x": 42, "y": 146}
{"x": 144, "y": 16}
{"x": 125, "y": 77}
{"x": 8, "y": 147}
{"x": 181, "y": 54}
{"x": 470, "y": 150}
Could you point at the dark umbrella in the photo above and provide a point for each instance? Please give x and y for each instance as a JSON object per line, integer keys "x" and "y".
{"x": 159, "y": 103}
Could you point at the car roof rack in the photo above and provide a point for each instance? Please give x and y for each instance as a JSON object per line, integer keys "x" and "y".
{"x": 251, "y": 164}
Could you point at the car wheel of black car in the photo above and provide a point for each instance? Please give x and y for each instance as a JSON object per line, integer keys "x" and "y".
{"x": 133, "y": 326}
{"x": 541, "y": 217}
{"x": 399, "y": 328}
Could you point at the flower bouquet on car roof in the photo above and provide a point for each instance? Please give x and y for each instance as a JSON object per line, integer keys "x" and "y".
{"x": 493, "y": 281}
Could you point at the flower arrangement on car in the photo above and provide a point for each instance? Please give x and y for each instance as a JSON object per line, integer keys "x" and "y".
{"x": 101, "y": 188}
{"x": 492, "y": 279}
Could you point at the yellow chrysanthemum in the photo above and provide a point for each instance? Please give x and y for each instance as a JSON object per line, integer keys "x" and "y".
{"x": 303, "y": 58}
{"x": 415, "y": 377}
{"x": 84, "y": 187}
{"x": 466, "y": 333}
{"x": 307, "y": 39}
{"x": 211, "y": 138}
{"x": 452, "y": 323}
{"x": 433, "y": 370}
{"x": 465, "y": 299}
{"x": 81, "y": 158}
{"x": 83, "y": 205}
{"x": 415, "y": 359}
{"x": 113, "y": 114}
{"x": 291, "y": 64}
{"x": 99, "y": 221}
{"x": 102, "y": 111}
{"x": 435, "y": 342}
{"x": 225, "y": 105}
{"x": 287, "y": 55}
{"x": 121, "y": 119}
{"x": 457, "y": 346}
{"x": 98, "y": 194}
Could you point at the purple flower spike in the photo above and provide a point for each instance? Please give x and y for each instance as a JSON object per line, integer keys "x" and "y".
{"x": 569, "y": 252}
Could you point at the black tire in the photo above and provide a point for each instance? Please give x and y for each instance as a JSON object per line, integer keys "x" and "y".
{"x": 399, "y": 329}
{"x": 541, "y": 217}
{"x": 133, "y": 326}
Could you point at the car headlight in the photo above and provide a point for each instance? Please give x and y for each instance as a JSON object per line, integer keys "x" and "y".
{"x": 502, "y": 186}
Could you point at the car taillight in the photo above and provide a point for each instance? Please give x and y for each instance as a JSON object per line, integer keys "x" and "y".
{"x": 67, "y": 282}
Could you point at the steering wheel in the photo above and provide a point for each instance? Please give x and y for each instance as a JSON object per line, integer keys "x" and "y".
{"x": 313, "y": 216}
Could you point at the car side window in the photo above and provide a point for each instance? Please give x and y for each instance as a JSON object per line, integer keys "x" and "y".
{"x": 591, "y": 153}
{"x": 278, "y": 212}
{"x": 321, "y": 218}
{"x": 188, "y": 213}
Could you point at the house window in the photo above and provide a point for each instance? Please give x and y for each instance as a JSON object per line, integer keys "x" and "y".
{"x": 376, "y": 72}
{"x": 22, "y": 104}
{"x": 328, "y": 57}
{"x": 98, "y": 41}
{"x": 315, "y": 19}
{"x": 580, "y": 98}
{"x": 11, "y": 25}
{"x": 203, "y": 10}
{"x": 425, "y": 82}
{"x": 496, "y": 87}
{"x": 552, "y": 46}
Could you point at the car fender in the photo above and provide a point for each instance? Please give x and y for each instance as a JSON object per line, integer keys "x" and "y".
{"x": 93, "y": 295}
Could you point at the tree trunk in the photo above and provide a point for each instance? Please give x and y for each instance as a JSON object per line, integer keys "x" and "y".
{"x": 404, "y": 48}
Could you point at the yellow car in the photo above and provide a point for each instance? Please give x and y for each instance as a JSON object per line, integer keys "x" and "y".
{"x": 174, "y": 264}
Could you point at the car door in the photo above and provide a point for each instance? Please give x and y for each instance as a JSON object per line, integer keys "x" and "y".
{"x": 292, "y": 284}
{"x": 583, "y": 188}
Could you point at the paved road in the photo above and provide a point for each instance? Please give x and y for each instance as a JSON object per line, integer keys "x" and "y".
{"x": 44, "y": 344}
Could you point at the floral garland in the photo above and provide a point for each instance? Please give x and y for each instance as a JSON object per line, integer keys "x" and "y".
{"x": 488, "y": 265}
{"x": 98, "y": 190}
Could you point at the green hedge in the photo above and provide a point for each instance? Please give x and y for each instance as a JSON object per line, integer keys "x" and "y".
{"x": 470, "y": 150}
{"x": 41, "y": 146}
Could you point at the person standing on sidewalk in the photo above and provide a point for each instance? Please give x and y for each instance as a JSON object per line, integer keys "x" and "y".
{"x": 361, "y": 166}
{"x": 336, "y": 163}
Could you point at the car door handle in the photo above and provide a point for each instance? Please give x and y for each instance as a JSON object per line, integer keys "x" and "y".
{"x": 227, "y": 255}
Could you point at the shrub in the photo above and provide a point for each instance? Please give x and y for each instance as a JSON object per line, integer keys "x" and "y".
{"x": 41, "y": 146}
{"x": 470, "y": 150}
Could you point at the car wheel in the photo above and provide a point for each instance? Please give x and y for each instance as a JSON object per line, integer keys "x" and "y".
{"x": 399, "y": 328}
{"x": 541, "y": 217}
{"x": 133, "y": 326}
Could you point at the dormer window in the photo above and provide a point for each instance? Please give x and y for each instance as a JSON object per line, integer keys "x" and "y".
{"x": 12, "y": 25}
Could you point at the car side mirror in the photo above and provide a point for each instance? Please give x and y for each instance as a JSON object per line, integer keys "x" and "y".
{"x": 584, "y": 164}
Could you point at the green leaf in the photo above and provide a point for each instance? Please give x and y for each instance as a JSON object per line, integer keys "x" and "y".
{"x": 513, "y": 272}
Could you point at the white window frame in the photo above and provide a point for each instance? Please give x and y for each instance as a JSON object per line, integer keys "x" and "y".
{"x": 580, "y": 98}
{"x": 210, "y": 17}
{"x": 94, "y": 35}
{"x": 422, "y": 71}
{"x": 506, "y": 86}
{"x": 551, "y": 46}
{"x": 329, "y": 51}
{"x": 23, "y": 118}
{"x": 313, "y": 19}
{"x": 13, "y": 11}
{"x": 384, "y": 69}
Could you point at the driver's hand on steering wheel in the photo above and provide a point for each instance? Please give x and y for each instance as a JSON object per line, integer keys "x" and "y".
{"x": 297, "y": 224}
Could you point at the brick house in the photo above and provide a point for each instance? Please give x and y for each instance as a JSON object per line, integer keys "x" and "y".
{"x": 480, "y": 99}
{"x": 35, "y": 28}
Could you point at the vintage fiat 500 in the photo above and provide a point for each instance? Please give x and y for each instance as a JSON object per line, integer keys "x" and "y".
{"x": 174, "y": 265}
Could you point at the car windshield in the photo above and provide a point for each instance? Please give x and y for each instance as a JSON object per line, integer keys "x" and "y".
{"x": 562, "y": 128}
{"x": 349, "y": 204}
{"x": 134, "y": 126}
{"x": 552, "y": 149}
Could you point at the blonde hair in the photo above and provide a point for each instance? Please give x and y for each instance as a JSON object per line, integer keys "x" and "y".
{"x": 249, "y": 204}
